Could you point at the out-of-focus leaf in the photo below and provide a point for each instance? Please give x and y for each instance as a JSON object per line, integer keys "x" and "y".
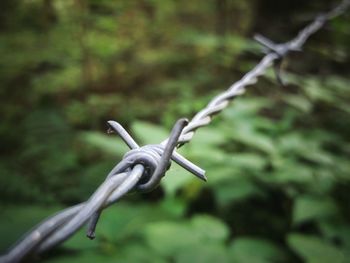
{"x": 136, "y": 251}
{"x": 247, "y": 161}
{"x": 236, "y": 190}
{"x": 79, "y": 241}
{"x": 208, "y": 156}
{"x": 255, "y": 250}
{"x": 245, "y": 107}
{"x": 254, "y": 139}
{"x": 175, "y": 179}
{"x": 221, "y": 174}
{"x": 312, "y": 208}
{"x": 336, "y": 231}
{"x": 317, "y": 92}
{"x": 174, "y": 207}
{"x": 149, "y": 133}
{"x": 88, "y": 257}
{"x": 166, "y": 238}
{"x": 209, "y": 228}
{"x": 293, "y": 172}
{"x": 125, "y": 220}
{"x": 205, "y": 253}
{"x": 109, "y": 144}
{"x": 313, "y": 249}
{"x": 208, "y": 137}
{"x": 299, "y": 102}
{"x": 170, "y": 238}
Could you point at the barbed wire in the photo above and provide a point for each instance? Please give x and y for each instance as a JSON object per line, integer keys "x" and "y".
{"x": 276, "y": 52}
{"x": 142, "y": 168}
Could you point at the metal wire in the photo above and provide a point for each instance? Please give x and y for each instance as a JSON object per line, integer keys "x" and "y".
{"x": 221, "y": 101}
{"x": 61, "y": 226}
{"x": 143, "y": 167}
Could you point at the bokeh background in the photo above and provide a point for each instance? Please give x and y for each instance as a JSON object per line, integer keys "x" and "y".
{"x": 277, "y": 159}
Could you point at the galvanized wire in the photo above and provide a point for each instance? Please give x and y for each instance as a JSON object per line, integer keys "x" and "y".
{"x": 143, "y": 167}
{"x": 61, "y": 226}
{"x": 276, "y": 52}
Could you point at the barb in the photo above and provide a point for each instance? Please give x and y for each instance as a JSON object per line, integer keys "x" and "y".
{"x": 165, "y": 158}
{"x": 276, "y": 53}
{"x": 143, "y": 167}
{"x": 141, "y": 170}
{"x": 154, "y": 158}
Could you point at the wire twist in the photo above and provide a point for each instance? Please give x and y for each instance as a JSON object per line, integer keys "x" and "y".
{"x": 143, "y": 167}
{"x": 275, "y": 52}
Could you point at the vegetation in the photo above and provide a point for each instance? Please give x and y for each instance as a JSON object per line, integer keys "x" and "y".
{"x": 277, "y": 159}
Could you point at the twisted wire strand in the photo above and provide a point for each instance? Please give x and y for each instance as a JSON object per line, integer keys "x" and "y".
{"x": 150, "y": 161}
{"x": 221, "y": 101}
{"x": 60, "y": 227}
{"x": 127, "y": 174}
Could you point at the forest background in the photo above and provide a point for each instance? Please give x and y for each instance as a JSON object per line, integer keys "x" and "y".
{"x": 277, "y": 159}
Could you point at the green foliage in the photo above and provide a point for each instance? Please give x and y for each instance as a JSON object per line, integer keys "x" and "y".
{"x": 276, "y": 159}
{"x": 312, "y": 208}
{"x": 256, "y": 250}
{"x": 314, "y": 249}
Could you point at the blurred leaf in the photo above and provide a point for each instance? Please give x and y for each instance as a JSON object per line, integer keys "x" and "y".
{"x": 173, "y": 206}
{"x": 289, "y": 171}
{"x": 201, "y": 231}
{"x": 208, "y": 137}
{"x": 157, "y": 237}
{"x": 203, "y": 253}
{"x": 109, "y": 144}
{"x": 149, "y": 133}
{"x": 236, "y": 190}
{"x": 308, "y": 208}
{"x": 133, "y": 252}
{"x": 209, "y": 228}
{"x": 88, "y": 257}
{"x": 175, "y": 179}
{"x": 336, "y": 231}
{"x": 299, "y": 102}
{"x": 248, "y": 161}
{"x": 256, "y": 250}
{"x": 245, "y": 107}
{"x": 125, "y": 220}
{"x": 253, "y": 139}
{"x": 314, "y": 250}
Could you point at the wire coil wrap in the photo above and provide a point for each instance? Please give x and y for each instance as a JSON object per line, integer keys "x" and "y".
{"x": 143, "y": 167}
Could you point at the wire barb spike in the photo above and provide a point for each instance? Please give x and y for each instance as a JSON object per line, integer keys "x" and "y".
{"x": 140, "y": 163}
